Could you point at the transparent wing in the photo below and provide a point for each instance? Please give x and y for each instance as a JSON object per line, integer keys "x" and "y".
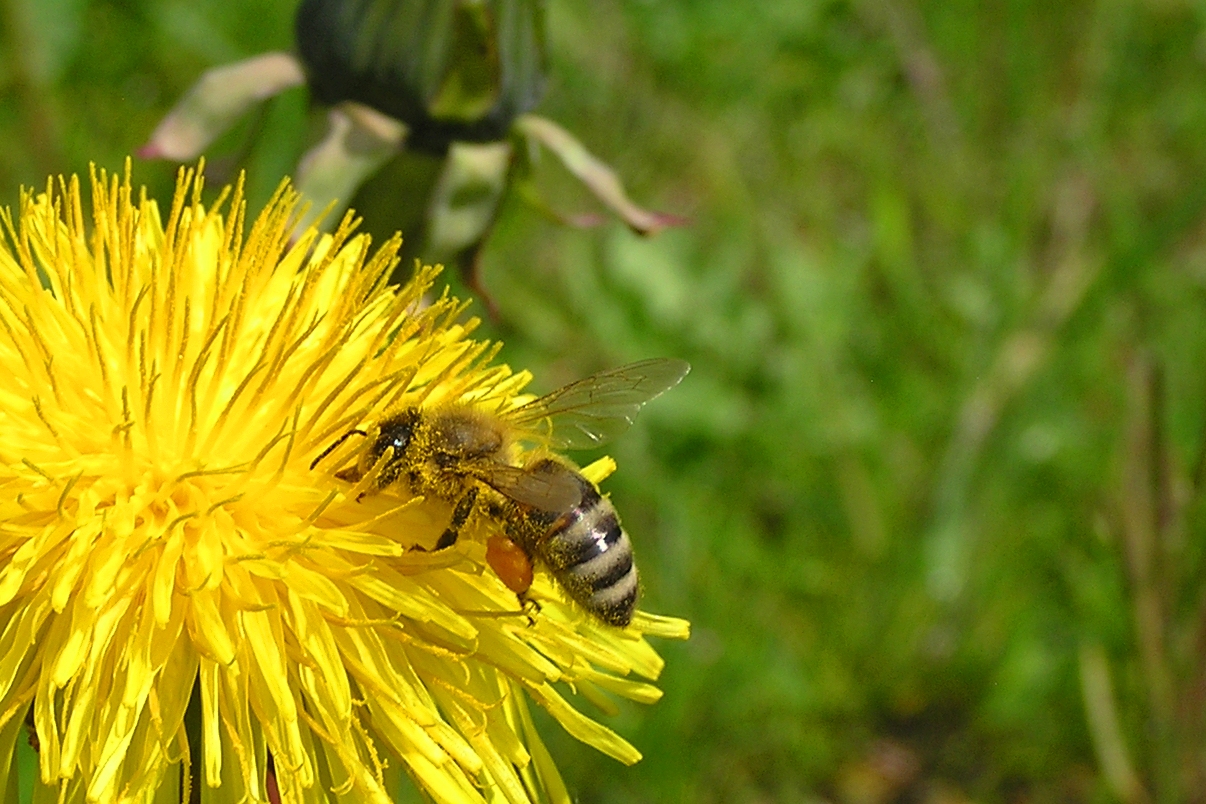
{"x": 596, "y": 409}
{"x": 556, "y": 492}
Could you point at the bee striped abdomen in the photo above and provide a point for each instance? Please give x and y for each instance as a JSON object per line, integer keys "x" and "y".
{"x": 592, "y": 557}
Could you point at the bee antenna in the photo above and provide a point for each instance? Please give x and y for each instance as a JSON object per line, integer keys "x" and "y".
{"x": 334, "y": 446}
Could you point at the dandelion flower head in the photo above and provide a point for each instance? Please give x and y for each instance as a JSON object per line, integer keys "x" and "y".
{"x": 185, "y": 605}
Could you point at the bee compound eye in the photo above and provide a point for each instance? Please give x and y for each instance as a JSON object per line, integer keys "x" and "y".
{"x": 395, "y": 433}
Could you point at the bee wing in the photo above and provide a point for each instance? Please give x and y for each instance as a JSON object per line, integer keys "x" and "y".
{"x": 555, "y": 492}
{"x": 596, "y": 409}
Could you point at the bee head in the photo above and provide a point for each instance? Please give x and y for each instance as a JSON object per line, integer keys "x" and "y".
{"x": 397, "y": 432}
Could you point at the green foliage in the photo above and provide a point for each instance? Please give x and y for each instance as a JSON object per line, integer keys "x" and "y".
{"x": 943, "y": 295}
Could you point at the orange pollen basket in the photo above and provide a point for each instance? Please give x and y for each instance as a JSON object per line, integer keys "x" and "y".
{"x": 510, "y": 563}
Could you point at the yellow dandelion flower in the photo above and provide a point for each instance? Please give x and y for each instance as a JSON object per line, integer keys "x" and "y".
{"x": 184, "y": 602}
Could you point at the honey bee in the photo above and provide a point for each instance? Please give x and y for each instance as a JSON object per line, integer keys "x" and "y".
{"x": 546, "y": 510}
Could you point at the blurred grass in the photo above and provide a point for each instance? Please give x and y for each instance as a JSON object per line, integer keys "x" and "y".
{"x": 943, "y": 294}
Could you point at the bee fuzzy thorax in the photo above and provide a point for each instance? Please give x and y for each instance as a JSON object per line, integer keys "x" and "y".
{"x": 465, "y": 433}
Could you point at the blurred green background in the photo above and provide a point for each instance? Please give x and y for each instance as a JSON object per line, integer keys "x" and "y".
{"x": 931, "y": 496}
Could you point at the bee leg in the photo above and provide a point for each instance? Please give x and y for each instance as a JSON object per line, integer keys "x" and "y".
{"x": 529, "y": 607}
{"x": 460, "y": 515}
